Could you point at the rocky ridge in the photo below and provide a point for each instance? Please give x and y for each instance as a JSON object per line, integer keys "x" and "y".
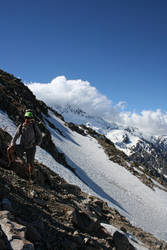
{"x": 57, "y": 209}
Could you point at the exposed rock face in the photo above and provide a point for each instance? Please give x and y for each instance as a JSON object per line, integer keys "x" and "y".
{"x": 121, "y": 242}
{"x": 151, "y": 155}
{"x": 85, "y": 222}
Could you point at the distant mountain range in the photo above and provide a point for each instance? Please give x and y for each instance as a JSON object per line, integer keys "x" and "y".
{"x": 149, "y": 151}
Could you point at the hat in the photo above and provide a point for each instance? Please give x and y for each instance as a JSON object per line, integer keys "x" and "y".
{"x": 28, "y": 114}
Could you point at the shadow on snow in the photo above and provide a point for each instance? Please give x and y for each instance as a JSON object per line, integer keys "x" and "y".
{"x": 91, "y": 184}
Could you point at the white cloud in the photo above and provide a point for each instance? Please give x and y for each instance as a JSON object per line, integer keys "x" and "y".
{"x": 77, "y": 92}
{"x": 61, "y": 91}
{"x": 121, "y": 104}
{"x": 150, "y": 122}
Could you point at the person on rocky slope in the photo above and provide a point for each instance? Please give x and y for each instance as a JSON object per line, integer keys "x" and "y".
{"x": 30, "y": 136}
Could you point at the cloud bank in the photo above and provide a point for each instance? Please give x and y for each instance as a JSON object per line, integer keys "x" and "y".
{"x": 61, "y": 91}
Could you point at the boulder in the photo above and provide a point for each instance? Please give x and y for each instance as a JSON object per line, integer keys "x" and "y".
{"x": 121, "y": 242}
{"x": 72, "y": 189}
{"x": 85, "y": 222}
{"x": 14, "y": 232}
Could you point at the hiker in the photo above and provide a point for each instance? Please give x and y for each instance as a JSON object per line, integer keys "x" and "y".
{"x": 30, "y": 137}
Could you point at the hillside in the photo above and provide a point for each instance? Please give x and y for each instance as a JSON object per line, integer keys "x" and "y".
{"x": 52, "y": 214}
{"x": 63, "y": 215}
{"x": 150, "y": 152}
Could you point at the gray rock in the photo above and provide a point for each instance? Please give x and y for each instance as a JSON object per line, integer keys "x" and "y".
{"x": 14, "y": 232}
{"x": 121, "y": 242}
{"x": 72, "y": 189}
{"x": 85, "y": 222}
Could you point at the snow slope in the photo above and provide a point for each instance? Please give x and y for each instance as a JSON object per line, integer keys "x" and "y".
{"x": 113, "y": 183}
{"x": 125, "y": 139}
{"x": 100, "y": 177}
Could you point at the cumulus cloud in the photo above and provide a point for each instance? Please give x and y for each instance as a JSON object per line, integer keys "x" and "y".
{"x": 61, "y": 91}
{"x": 150, "y": 122}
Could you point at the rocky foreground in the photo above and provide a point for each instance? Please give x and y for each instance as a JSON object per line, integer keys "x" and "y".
{"x": 52, "y": 214}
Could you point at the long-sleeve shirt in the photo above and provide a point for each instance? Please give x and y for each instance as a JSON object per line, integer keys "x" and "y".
{"x": 30, "y": 135}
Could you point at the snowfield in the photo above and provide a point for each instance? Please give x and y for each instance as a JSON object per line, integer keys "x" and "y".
{"x": 111, "y": 182}
{"x": 117, "y": 136}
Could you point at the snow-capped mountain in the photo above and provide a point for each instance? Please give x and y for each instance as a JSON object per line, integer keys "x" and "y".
{"x": 150, "y": 151}
{"x": 74, "y": 114}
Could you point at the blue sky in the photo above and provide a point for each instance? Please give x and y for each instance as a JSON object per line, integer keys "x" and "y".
{"x": 118, "y": 46}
